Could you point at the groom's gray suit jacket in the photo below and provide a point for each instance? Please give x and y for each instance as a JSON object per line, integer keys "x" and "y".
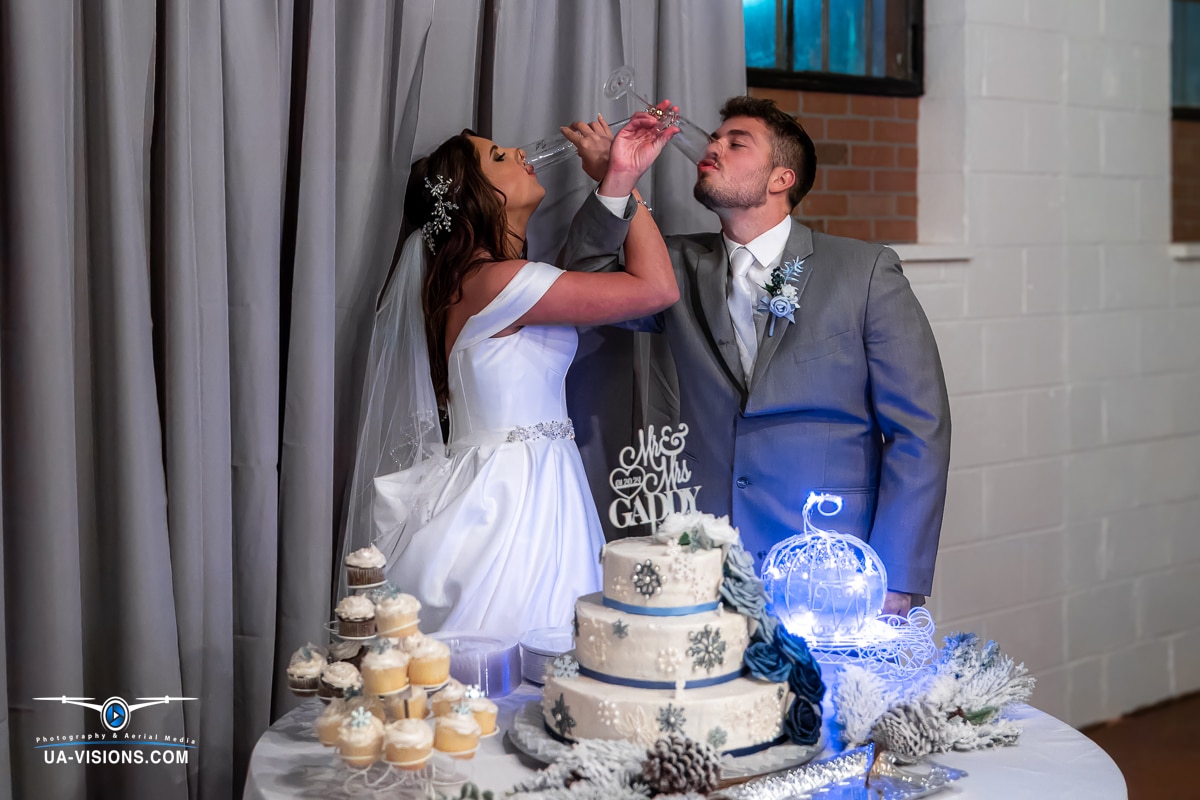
{"x": 849, "y": 400}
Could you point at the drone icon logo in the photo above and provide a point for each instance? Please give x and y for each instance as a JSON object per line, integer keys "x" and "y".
{"x": 115, "y": 712}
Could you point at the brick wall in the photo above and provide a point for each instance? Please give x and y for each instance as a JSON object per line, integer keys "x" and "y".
{"x": 1185, "y": 183}
{"x": 866, "y": 183}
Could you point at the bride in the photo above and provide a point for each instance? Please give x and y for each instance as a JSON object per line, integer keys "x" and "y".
{"x": 495, "y": 530}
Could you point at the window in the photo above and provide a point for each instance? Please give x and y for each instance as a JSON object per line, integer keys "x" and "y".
{"x": 852, "y": 46}
{"x": 1185, "y": 58}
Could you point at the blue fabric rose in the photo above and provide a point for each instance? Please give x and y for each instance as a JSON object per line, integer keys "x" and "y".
{"x": 741, "y": 588}
{"x": 805, "y": 681}
{"x": 766, "y": 662}
{"x": 803, "y": 722}
{"x": 794, "y": 647}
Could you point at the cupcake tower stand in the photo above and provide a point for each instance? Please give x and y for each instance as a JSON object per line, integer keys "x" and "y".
{"x": 401, "y": 780}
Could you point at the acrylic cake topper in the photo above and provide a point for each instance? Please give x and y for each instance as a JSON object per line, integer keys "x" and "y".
{"x": 650, "y": 481}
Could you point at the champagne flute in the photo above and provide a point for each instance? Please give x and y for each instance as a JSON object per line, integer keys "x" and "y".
{"x": 690, "y": 140}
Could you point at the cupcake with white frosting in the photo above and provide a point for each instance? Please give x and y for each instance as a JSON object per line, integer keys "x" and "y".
{"x": 452, "y": 694}
{"x": 483, "y": 709}
{"x": 430, "y": 664}
{"x": 385, "y": 668}
{"x": 457, "y": 734}
{"x": 360, "y": 738}
{"x": 347, "y": 650}
{"x": 396, "y": 613}
{"x": 355, "y": 616}
{"x": 304, "y": 670}
{"x": 408, "y": 743}
{"x": 365, "y": 567}
{"x": 338, "y": 678}
{"x": 329, "y": 722}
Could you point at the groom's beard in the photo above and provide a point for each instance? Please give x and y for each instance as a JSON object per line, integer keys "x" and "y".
{"x": 750, "y": 192}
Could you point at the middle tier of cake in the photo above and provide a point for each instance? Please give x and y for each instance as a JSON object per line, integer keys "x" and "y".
{"x": 650, "y": 652}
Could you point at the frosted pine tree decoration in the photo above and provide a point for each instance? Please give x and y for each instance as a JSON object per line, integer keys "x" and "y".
{"x": 958, "y": 707}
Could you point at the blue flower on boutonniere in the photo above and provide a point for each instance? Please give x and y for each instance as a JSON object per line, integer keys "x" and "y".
{"x": 783, "y": 297}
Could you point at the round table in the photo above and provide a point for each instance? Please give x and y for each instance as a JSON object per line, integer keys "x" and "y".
{"x": 1051, "y": 760}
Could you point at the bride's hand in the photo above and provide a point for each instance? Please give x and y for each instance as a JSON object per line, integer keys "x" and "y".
{"x": 634, "y": 149}
{"x": 592, "y": 140}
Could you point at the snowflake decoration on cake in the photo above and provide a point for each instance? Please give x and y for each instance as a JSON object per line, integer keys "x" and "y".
{"x": 684, "y": 572}
{"x": 707, "y": 650}
{"x": 669, "y": 661}
{"x": 635, "y": 726}
{"x": 565, "y": 666}
{"x": 671, "y": 719}
{"x": 607, "y": 712}
{"x": 620, "y": 629}
{"x": 717, "y": 737}
{"x": 561, "y": 712}
{"x": 473, "y": 692}
{"x": 620, "y": 587}
{"x": 462, "y": 707}
{"x": 647, "y": 578}
{"x": 766, "y": 719}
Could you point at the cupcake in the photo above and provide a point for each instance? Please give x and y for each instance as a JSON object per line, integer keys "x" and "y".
{"x": 457, "y": 735}
{"x": 338, "y": 678}
{"x": 430, "y": 663}
{"x": 396, "y": 613}
{"x": 304, "y": 670}
{"x": 407, "y": 743}
{"x": 413, "y": 704}
{"x": 368, "y": 701}
{"x": 484, "y": 711}
{"x": 444, "y": 701}
{"x": 365, "y": 567}
{"x": 329, "y": 723}
{"x": 356, "y": 616}
{"x": 349, "y": 651}
{"x": 360, "y": 738}
{"x": 385, "y": 668}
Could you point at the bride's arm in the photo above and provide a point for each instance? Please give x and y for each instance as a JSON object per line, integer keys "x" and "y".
{"x": 648, "y": 283}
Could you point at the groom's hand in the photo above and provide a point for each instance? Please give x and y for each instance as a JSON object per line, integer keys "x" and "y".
{"x": 593, "y": 140}
{"x": 898, "y": 603}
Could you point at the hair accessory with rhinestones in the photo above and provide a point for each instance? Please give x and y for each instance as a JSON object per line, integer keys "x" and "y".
{"x": 439, "y": 221}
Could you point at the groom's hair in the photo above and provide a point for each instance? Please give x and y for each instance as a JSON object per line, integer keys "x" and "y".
{"x": 791, "y": 145}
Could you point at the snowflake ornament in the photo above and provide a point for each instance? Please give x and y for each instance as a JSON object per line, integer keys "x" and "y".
{"x": 647, "y": 578}
{"x": 717, "y": 737}
{"x": 620, "y": 629}
{"x": 671, "y": 719}
{"x": 565, "y": 666}
{"x": 564, "y": 723}
{"x": 707, "y": 650}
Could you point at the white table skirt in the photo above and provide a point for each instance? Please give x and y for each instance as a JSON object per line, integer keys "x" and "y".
{"x": 1052, "y": 760}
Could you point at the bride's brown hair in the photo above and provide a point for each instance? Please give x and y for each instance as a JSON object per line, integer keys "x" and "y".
{"x": 478, "y": 234}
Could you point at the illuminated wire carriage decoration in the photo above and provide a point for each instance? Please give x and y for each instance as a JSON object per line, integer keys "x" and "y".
{"x": 829, "y": 588}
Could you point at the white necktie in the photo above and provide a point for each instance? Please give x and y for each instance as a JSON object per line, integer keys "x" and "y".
{"x": 743, "y": 297}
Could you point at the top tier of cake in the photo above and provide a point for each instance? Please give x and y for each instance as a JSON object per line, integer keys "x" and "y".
{"x": 649, "y": 577}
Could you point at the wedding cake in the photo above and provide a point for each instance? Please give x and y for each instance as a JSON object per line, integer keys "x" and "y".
{"x": 657, "y": 652}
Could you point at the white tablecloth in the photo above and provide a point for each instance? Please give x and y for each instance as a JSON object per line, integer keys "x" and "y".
{"x": 1053, "y": 760}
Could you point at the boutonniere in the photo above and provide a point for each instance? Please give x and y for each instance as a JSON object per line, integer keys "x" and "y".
{"x": 781, "y": 293}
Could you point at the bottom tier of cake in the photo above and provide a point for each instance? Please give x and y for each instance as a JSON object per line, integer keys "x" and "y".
{"x": 732, "y": 717}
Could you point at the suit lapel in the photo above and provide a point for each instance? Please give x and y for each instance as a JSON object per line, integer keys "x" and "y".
{"x": 712, "y": 283}
{"x": 799, "y": 246}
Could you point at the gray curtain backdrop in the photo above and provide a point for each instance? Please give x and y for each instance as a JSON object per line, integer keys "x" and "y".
{"x": 199, "y": 203}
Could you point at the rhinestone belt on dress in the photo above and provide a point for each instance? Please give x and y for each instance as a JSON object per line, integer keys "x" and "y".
{"x": 555, "y": 429}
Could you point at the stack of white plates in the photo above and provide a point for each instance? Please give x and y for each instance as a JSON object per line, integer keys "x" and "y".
{"x": 539, "y": 648}
{"x": 489, "y": 662}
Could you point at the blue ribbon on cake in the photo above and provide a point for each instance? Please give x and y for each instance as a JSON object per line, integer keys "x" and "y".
{"x": 635, "y": 683}
{"x": 672, "y": 611}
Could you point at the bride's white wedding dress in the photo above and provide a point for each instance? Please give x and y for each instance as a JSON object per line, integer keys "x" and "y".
{"x": 506, "y": 535}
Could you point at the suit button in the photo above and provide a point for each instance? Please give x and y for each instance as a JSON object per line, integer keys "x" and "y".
{"x": 743, "y": 482}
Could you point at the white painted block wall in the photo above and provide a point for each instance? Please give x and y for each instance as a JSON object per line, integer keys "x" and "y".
{"x": 1071, "y": 343}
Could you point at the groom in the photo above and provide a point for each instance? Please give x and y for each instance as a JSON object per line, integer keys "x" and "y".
{"x": 842, "y": 393}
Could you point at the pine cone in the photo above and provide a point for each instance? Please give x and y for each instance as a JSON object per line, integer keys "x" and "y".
{"x": 677, "y": 764}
